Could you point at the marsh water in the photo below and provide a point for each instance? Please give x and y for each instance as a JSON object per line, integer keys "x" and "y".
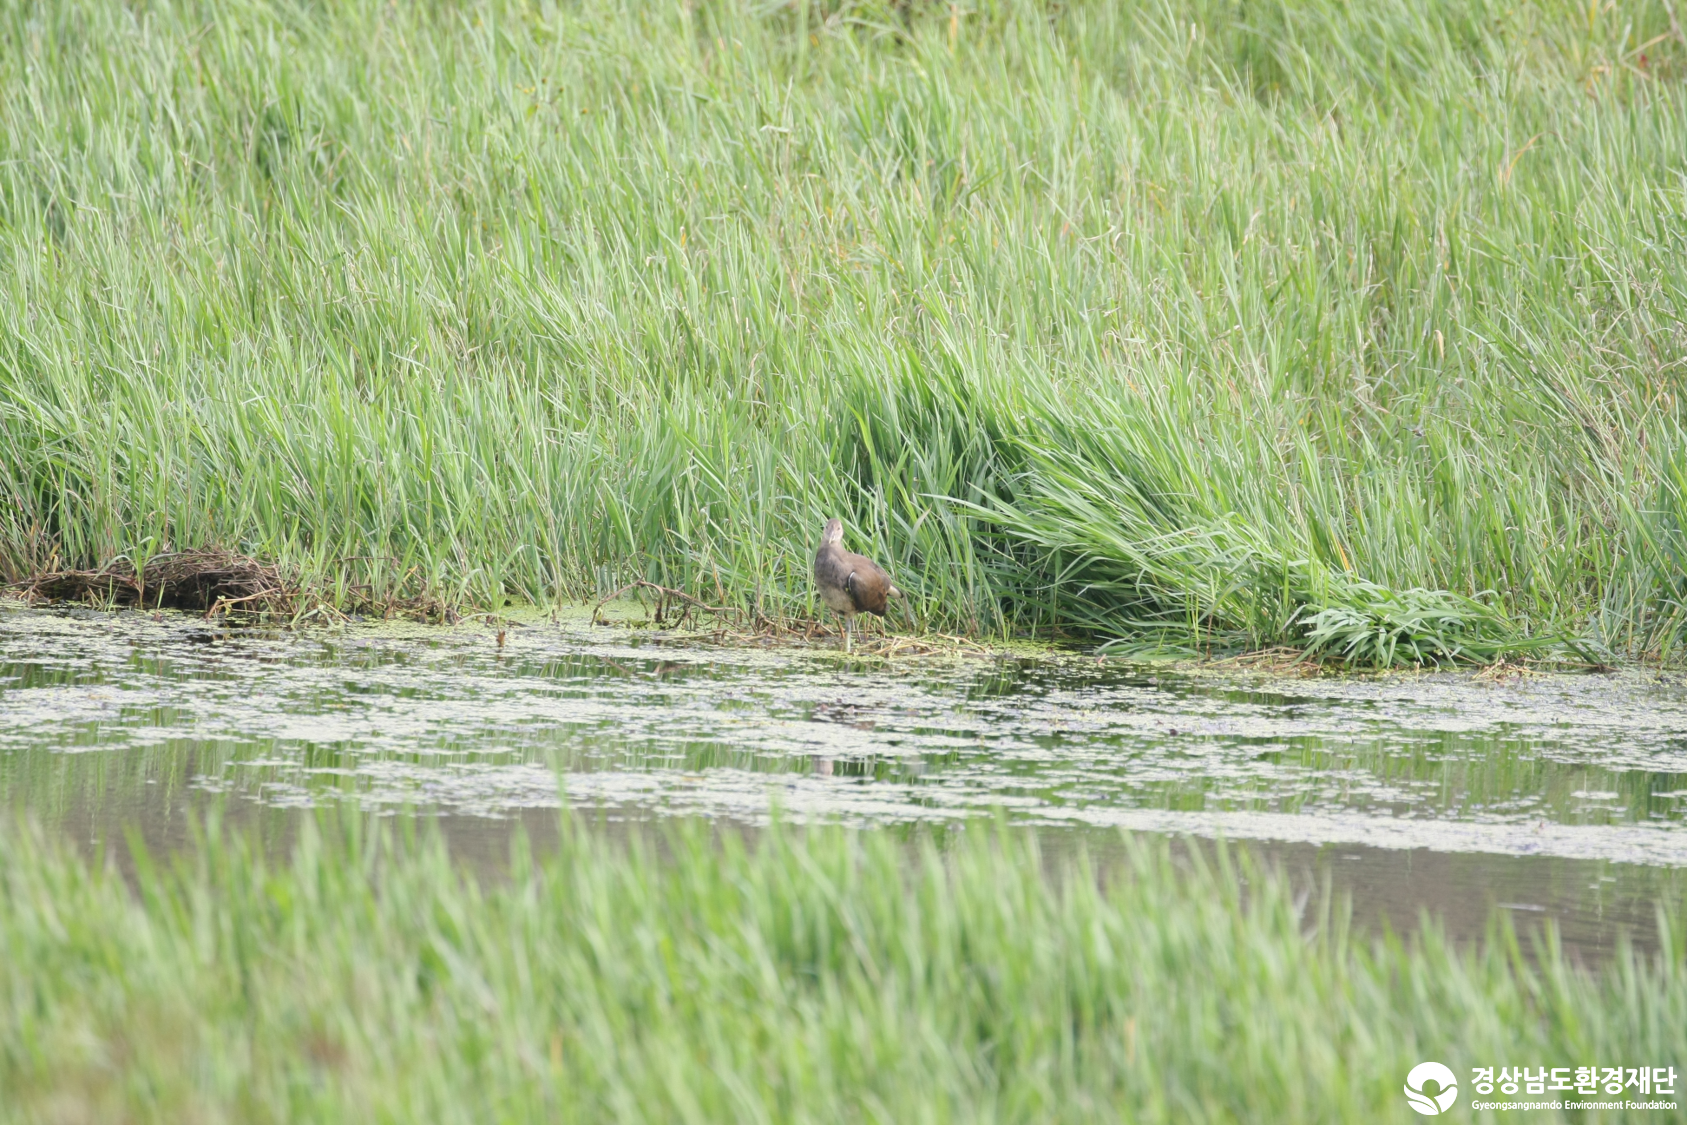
{"x": 1558, "y": 796}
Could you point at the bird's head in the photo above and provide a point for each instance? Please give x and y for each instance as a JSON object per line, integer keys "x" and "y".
{"x": 833, "y": 532}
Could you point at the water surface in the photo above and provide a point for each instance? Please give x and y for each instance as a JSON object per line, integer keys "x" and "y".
{"x": 1559, "y": 796}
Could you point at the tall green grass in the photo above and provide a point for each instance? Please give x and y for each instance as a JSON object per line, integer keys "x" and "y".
{"x": 1348, "y": 325}
{"x": 815, "y": 978}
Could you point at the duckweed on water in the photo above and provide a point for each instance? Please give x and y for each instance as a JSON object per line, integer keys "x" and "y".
{"x": 116, "y": 718}
{"x": 815, "y": 977}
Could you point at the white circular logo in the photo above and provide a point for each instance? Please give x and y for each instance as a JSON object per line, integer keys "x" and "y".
{"x": 1447, "y": 1088}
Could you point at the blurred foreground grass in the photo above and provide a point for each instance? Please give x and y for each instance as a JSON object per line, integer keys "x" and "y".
{"x": 817, "y": 976}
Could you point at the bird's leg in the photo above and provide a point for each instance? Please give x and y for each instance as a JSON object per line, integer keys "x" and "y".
{"x": 846, "y": 635}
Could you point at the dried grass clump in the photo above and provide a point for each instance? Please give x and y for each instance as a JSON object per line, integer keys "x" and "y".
{"x": 222, "y": 583}
{"x": 209, "y": 581}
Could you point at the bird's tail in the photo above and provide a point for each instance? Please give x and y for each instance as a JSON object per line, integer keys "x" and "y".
{"x": 893, "y": 592}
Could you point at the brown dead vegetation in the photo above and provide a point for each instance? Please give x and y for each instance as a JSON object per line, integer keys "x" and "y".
{"x": 211, "y": 582}
{"x": 219, "y": 583}
{"x": 674, "y": 608}
{"x": 731, "y": 625}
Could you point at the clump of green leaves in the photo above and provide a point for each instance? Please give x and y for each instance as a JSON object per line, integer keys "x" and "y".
{"x": 1375, "y": 627}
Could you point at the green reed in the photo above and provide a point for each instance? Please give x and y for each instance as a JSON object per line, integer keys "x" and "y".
{"x": 827, "y": 976}
{"x": 1350, "y": 326}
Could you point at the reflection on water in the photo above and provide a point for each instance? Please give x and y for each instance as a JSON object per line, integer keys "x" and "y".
{"x": 106, "y": 719}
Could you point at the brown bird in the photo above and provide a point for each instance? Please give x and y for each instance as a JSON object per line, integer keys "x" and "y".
{"x": 849, "y": 584}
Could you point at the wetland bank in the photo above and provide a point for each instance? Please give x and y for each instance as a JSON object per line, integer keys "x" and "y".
{"x": 1351, "y": 331}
